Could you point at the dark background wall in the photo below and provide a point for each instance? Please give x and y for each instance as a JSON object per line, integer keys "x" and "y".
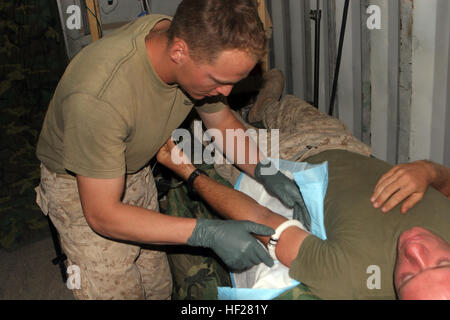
{"x": 32, "y": 59}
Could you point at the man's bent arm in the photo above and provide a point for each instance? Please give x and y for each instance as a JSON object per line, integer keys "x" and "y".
{"x": 108, "y": 216}
{"x": 236, "y": 205}
{"x": 225, "y": 120}
{"x": 248, "y": 160}
{"x": 233, "y": 204}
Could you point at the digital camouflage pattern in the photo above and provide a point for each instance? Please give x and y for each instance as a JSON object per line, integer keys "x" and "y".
{"x": 32, "y": 59}
{"x": 300, "y": 292}
{"x": 196, "y": 273}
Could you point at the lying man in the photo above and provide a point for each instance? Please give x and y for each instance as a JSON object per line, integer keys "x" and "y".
{"x": 358, "y": 235}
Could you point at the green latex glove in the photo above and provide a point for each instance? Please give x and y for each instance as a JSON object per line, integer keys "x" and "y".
{"x": 285, "y": 189}
{"x": 232, "y": 241}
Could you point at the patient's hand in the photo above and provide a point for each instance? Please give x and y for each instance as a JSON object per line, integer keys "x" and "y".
{"x": 173, "y": 158}
{"x": 405, "y": 182}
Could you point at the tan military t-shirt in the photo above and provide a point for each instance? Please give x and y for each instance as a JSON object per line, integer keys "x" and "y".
{"x": 361, "y": 241}
{"x": 111, "y": 112}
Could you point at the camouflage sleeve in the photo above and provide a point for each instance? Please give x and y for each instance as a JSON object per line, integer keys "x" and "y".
{"x": 196, "y": 272}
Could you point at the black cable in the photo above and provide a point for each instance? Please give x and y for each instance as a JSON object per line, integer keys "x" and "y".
{"x": 99, "y": 26}
{"x": 339, "y": 57}
{"x": 317, "y": 17}
{"x": 60, "y": 256}
{"x": 146, "y": 6}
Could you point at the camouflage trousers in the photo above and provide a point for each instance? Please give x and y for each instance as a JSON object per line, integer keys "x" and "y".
{"x": 107, "y": 269}
{"x": 196, "y": 272}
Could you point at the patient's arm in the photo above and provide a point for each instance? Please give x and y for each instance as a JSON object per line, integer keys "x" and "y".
{"x": 235, "y": 205}
{"x": 409, "y": 182}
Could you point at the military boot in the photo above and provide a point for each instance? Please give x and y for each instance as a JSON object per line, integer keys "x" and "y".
{"x": 271, "y": 90}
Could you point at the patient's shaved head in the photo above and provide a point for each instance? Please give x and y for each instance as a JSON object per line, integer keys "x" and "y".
{"x": 423, "y": 266}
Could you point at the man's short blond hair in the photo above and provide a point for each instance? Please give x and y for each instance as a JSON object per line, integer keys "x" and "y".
{"x": 210, "y": 27}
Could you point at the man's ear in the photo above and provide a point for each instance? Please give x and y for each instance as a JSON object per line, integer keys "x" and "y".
{"x": 178, "y": 51}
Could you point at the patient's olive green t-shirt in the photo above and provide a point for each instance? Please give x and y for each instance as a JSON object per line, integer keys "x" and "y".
{"x": 111, "y": 112}
{"x": 361, "y": 241}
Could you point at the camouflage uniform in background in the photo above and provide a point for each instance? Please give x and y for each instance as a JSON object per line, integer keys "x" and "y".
{"x": 32, "y": 59}
{"x": 196, "y": 272}
{"x": 304, "y": 131}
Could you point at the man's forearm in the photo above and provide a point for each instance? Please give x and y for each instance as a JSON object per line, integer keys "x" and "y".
{"x": 236, "y": 145}
{"x": 228, "y": 202}
{"x": 238, "y": 206}
{"x": 242, "y": 150}
{"x": 108, "y": 216}
{"x": 233, "y": 204}
{"x": 132, "y": 223}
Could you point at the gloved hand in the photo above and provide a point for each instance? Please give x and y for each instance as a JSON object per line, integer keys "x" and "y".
{"x": 232, "y": 241}
{"x": 284, "y": 189}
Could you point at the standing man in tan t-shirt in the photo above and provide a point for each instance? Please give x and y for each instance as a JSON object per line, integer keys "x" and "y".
{"x": 115, "y": 106}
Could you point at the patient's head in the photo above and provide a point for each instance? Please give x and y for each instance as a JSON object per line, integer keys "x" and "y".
{"x": 423, "y": 266}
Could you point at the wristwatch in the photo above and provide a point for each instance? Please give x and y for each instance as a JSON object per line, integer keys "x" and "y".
{"x": 191, "y": 179}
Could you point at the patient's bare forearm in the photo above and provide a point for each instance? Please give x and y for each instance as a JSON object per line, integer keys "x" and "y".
{"x": 238, "y": 206}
